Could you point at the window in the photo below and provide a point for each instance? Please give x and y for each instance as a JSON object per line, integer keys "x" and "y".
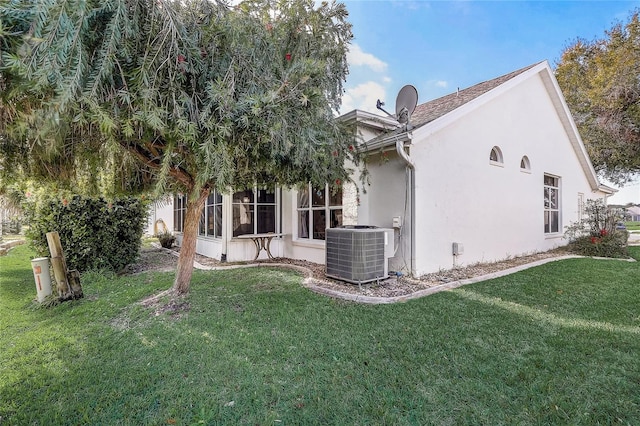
{"x": 211, "y": 218}
{"x": 551, "y": 204}
{"x": 495, "y": 156}
{"x": 315, "y": 205}
{"x": 179, "y": 210}
{"x": 525, "y": 165}
{"x": 580, "y": 206}
{"x": 254, "y": 211}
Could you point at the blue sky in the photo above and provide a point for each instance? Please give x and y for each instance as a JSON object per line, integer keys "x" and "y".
{"x": 438, "y": 46}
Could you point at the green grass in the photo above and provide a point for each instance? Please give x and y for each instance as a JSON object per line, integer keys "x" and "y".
{"x": 555, "y": 344}
{"x": 632, "y": 226}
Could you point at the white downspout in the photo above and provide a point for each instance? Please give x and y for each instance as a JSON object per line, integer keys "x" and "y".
{"x": 411, "y": 165}
{"x": 402, "y": 153}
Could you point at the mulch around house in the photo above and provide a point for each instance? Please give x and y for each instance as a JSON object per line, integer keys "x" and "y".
{"x": 390, "y": 290}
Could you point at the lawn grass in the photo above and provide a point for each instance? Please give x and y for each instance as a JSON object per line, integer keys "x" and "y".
{"x": 632, "y": 226}
{"x": 555, "y": 344}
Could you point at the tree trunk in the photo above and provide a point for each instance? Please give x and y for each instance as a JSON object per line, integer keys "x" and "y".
{"x": 188, "y": 248}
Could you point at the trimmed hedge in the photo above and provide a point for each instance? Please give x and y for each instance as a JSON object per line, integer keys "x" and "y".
{"x": 95, "y": 233}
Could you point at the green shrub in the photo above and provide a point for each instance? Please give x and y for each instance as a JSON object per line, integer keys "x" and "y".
{"x": 166, "y": 239}
{"x": 596, "y": 234}
{"x": 94, "y": 233}
{"x": 610, "y": 245}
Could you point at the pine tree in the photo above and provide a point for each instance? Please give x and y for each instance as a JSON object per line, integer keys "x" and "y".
{"x": 203, "y": 96}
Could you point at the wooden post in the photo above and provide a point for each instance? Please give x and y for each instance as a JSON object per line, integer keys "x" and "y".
{"x": 60, "y": 272}
{"x": 74, "y": 281}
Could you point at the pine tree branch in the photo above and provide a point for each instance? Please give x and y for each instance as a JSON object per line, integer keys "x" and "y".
{"x": 155, "y": 163}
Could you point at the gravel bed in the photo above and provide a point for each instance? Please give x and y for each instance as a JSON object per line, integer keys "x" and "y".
{"x": 161, "y": 260}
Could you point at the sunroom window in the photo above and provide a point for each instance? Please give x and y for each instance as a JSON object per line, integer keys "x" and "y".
{"x": 179, "y": 211}
{"x": 254, "y": 211}
{"x": 318, "y": 209}
{"x": 211, "y": 218}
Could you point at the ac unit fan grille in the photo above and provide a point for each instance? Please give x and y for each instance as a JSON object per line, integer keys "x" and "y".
{"x": 355, "y": 256}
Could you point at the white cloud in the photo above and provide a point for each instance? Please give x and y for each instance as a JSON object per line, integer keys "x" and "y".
{"x": 386, "y": 79}
{"x": 411, "y": 5}
{"x": 364, "y": 97}
{"x": 356, "y": 57}
{"x": 438, "y": 83}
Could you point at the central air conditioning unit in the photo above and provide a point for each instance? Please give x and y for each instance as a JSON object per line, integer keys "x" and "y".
{"x": 358, "y": 253}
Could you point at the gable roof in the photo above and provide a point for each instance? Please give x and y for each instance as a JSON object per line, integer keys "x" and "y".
{"x": 438, "y": 113}
{"x": 429, "y": 111}
{"x": 432, "y": 110}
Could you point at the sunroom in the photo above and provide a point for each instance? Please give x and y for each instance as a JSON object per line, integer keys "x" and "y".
{"x": 256, "y": 222}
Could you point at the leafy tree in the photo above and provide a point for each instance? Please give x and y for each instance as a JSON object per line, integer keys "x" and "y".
{"x": 200, "y": 94}
{"x": 601, "y": 82}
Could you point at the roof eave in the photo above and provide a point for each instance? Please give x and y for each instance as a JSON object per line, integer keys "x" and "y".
{"x": 548, "y": 79}
{"x": 387, "y": 140}
{"x": 445, "y": 120}
{"x": 607, "y": 189}
{"x": 369, "y": 119}
{"x": 566, "y": 118}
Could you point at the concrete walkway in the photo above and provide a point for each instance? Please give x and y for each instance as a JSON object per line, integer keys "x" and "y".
{"x": 8, "y": 245}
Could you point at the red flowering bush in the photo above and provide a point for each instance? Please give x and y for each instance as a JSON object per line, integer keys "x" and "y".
{"x": 595, "y": 235}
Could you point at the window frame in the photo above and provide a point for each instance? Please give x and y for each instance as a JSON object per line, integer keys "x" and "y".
{"x": 527, "y": 164}
{"x": 581, "y": 206}
{"x": 253, "y": 205}
{"x": 499, "y": 161}
{"x": 329, "y": 209}
{"x": 213, "y": 200}
{"x": 179, "y": 212}
{"x": 550, "y": 211}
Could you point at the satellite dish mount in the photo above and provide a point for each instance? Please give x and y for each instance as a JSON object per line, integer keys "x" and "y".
{"x": 405, "y": 104}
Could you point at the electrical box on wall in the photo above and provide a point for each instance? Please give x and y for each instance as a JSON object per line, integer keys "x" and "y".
{"x": 458, "y": 249}
{"x": 397, "y": 222}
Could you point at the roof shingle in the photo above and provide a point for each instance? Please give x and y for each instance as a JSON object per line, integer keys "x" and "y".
{"x": 429, "y": 111}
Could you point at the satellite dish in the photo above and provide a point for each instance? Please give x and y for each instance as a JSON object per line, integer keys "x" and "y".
{"x": 406, "y": 103}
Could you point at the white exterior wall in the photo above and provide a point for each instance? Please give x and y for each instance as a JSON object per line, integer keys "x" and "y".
{"x": 292, "y": 247}
{"x": 160, "y": 211}
{"x": 389, "y": 196}
{"x": 494, "y": 211}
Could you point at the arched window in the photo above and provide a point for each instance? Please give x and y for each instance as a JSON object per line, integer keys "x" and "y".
{"x": 495, "y": 157}
{"x": 525, "y": 165}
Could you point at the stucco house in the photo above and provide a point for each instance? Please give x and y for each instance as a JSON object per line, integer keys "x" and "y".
{"x": 633, "y": 213}
{"x": 498, "y": 168}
